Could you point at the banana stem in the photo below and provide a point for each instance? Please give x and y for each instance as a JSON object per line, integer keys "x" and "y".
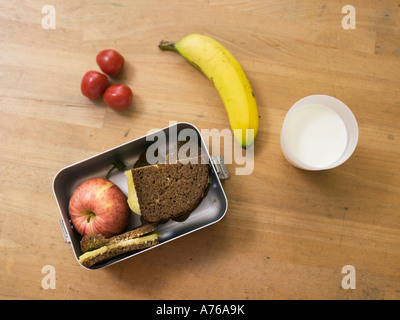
{"x": 166, "y": 45}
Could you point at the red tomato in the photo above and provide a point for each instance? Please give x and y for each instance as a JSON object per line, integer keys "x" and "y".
{"x": 110, "y": 62}
{"x": 94, "y": 84}
{"x": 118, "y": 96}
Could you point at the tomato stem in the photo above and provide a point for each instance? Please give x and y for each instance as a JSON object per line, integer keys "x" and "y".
{"x": 118, "y": 164}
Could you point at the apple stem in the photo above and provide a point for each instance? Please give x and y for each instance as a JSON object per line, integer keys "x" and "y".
{"x": 91, "y": 215}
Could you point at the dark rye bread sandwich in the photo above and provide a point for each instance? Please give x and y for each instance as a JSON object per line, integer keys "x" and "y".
{"x": 97, "y": 248}
{"x": 95, "y": 241}
{"x": 166, "y": 190}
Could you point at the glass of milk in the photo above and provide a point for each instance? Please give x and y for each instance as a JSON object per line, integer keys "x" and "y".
{"x": 319, "y": 132}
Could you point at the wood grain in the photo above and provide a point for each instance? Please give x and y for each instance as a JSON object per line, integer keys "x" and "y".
{"x": 287, "y": 233}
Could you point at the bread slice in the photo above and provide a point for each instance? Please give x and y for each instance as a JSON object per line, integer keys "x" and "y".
{"x": 166, "y": 191}
{"x": 92, "y": 242}
{"x": 90, "y": 258}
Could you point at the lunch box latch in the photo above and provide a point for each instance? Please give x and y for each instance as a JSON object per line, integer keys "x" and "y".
{"x": 220, "y": 168}
{"x": 64, "y": 231}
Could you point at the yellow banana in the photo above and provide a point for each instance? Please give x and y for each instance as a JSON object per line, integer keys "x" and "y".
{"x": 228, "y": 77}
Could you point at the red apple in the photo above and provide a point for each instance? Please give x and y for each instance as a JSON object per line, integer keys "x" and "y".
{"x": 99, "y": 206}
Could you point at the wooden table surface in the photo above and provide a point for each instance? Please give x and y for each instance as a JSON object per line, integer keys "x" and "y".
{"x": 287, "y": 233}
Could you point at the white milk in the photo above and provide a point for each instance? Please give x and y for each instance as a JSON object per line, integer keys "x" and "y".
{"x": 316, "y": 135}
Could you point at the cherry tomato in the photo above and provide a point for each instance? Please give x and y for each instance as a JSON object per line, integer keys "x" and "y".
{"x": 94, "y": 84}
{"x": 110, "y": 62}
{"x": 118, "y": 96}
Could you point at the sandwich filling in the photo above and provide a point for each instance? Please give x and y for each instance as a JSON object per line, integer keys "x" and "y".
{"x": 133, "y": 201}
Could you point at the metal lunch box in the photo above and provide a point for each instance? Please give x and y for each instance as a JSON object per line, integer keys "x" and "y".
{"x": 211, "y": 209}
